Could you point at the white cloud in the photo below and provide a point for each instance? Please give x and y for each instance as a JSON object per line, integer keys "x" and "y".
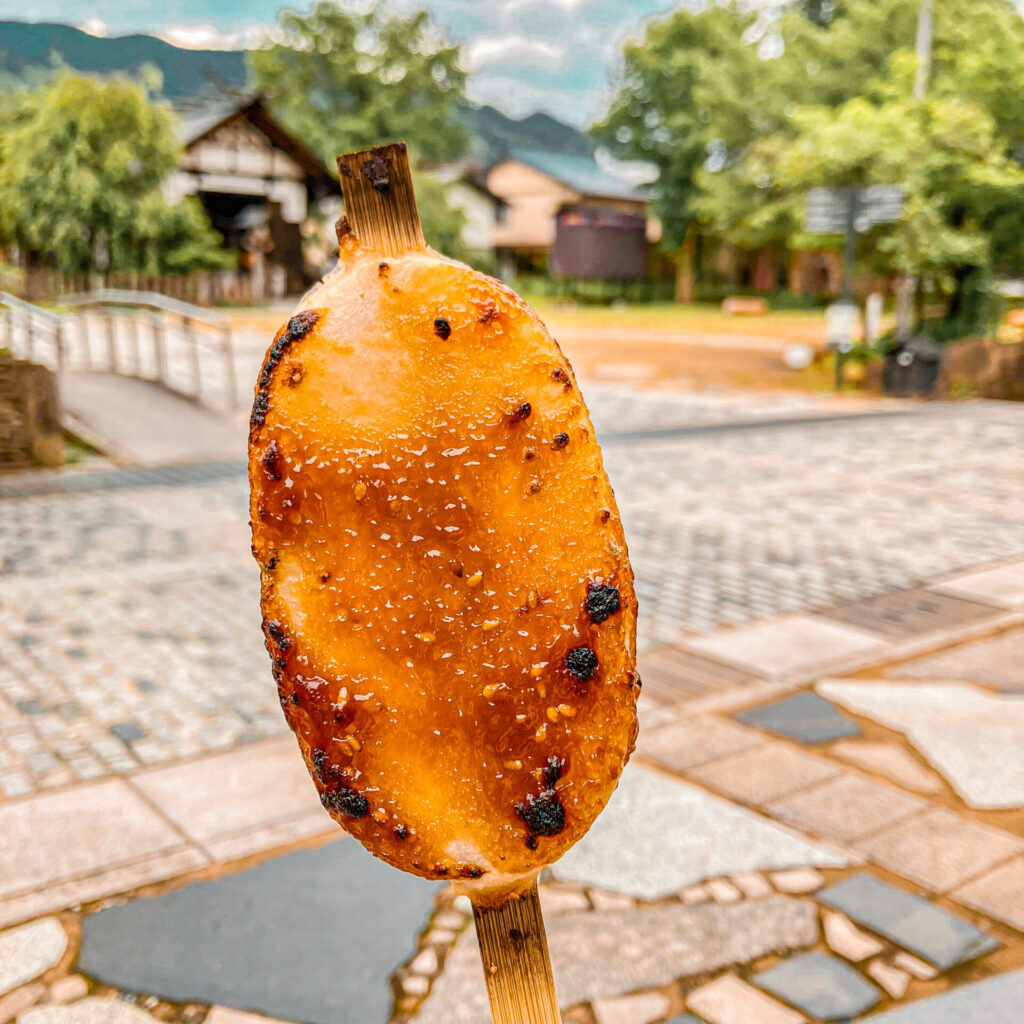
{"x": 206, "y": 36}
{"x": 94, "y": 26}
{"x": 483, "y": 50}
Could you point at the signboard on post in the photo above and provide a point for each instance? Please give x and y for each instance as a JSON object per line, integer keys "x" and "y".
{"x": 848, "y": 212}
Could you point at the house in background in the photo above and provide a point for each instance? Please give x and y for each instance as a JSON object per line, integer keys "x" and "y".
{"x": 258, "y": 185}
{"x": 484, "y": 212}
{"x": 567, "y": 215}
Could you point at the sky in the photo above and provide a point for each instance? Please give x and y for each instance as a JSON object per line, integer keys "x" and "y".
{"x": 523, "y": 55}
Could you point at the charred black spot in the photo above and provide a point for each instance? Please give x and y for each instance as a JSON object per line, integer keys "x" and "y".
{"x": 377, "y": 172}
{"x": 516, "y": 936}
{"x": 531, "y": 841}
{"x": 295, "y": 330}
{"x": 529, "y": 453}
{"x": 560, "y": 440}
{"x": 520, "y": 412}
{"x": 276, "y": 633}
{"x": 442, "y": 328}
{"x": 534, "y": 486}
{"x": 562, "y": 377}
{"x": 382, "y": 269}
{"x": 319, "y": 759}
{"x": 467, "y": 871}
{"x": 281, "y": 663}
{"x": 401, "y": 832}
{"x": 488, "y": 312}
{"x": 272, "y": 563}
{"x": 602, "y": 602}
{"x": 283, "y": 700}
{"x": 272, "y": 461}
{"x": 440, "y": 869}
{"x": 606, "y": 514}
{"x": 544, "y": 815}
{"x": 324, "y": 577}
{"x": 346, "y": 801}
{"x": 581, "y": 662}
{"x": 552, "y": 771}
{"x": 295, "y": 698}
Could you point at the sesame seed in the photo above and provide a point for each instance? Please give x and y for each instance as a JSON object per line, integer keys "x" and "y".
{"x": 490, "y": 625}
{"x": 552, "y": 714}
{"x": 359, "y": 490}
{"x": 474, "y": 580}
{"x": 490, "y": 690}
{"x": 542, "y": 731}
{"x": 567, "y": 710}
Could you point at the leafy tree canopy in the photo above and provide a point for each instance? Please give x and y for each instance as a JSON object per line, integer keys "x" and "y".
{"x": 342, "y": 80}
{"x": 742, "y": 114}
{"x": 81, "y": 163}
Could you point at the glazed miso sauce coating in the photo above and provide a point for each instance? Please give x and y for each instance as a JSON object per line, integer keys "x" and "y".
{"x": 446, "y": 593}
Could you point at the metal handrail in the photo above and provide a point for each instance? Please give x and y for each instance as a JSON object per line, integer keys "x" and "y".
{"x": 151, "y": 305}
{"x": 152, "y": 300}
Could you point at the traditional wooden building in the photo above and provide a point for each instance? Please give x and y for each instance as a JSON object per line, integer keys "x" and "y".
{"x": 567, "y": 215}
{"x": 258, "y": 185}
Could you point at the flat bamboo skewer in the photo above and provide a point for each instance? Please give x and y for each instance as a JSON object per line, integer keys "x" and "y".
{"x": 380, "y": 207}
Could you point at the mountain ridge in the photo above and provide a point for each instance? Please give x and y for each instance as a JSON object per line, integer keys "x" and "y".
{"x": 190, "y": 75}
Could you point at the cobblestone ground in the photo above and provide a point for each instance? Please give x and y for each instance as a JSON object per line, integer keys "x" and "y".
{"x": 128, "y": 615}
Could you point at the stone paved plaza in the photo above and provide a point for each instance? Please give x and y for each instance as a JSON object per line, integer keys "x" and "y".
{"x": 825, "y": 814}
{"x": 130, "y": 615}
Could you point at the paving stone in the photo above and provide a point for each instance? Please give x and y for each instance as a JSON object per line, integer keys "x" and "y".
{"x": 558, "y": 899}
{"x": 722, "y": 891}
{"x": 641, "y": 1008}
{"x": 69, "y": 988}
{"x": 820, "y": 985}
{"x": 918, "y": 968}
{"x": 679, "y": 835}
{"x": 288, "y": 922}
{"x": 993, "y": 660}
{"x": 87, "y": 1011}
{"x": 222, "y": 1015}
{"x": 972, "y": 737}
{"x": 27, "y": 951}
{"x": 603, "y": 954}
{"x": 992, "y": 1001}
{"x": 1002, "y": 586}
{"x": 999, "y": 893}
{"x": 694, "y": 894}
{"x": 48, "y": 839}
{"x": 18, "y": 1001}
{"x": 939, "y": 849}
{"x": 728, "y": 1000}
{"x": 691, "y": 741}
{"x": 846, "y": 939}
{"x": 611, "y": 900}
{"x": 894, "y": 981}
{"x": 915, "y": 924}
{"x": 845, "y": 808}
{"x": 890, "y": 760}
{"x": 752, "y": 885}
{"x": 765, "y": 773}
{"x": 804, "y": 717}
{"x": 798, "y": 880}
{"x": 796, "y": 644}
{"x": 242, "y": 790}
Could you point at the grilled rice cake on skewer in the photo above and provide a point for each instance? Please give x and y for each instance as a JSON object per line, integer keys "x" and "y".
{"x": 446, "y": 591}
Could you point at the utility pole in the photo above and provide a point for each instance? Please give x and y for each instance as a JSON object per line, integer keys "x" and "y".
{"x": 906, "y": 298}
{"x": 924, "y": 49}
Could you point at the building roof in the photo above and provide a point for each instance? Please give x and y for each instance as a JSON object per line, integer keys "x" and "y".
{"x": 582, "y": 173}
{"x": 198, "y": 122}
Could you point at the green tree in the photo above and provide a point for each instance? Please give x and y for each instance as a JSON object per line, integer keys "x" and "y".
{"x": 741, "y": 115}
{"x": 81, "y": 163}
{"x": 343, "y": 80}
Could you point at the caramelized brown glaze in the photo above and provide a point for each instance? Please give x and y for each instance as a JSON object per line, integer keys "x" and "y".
{"x": 446, "y": 592}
